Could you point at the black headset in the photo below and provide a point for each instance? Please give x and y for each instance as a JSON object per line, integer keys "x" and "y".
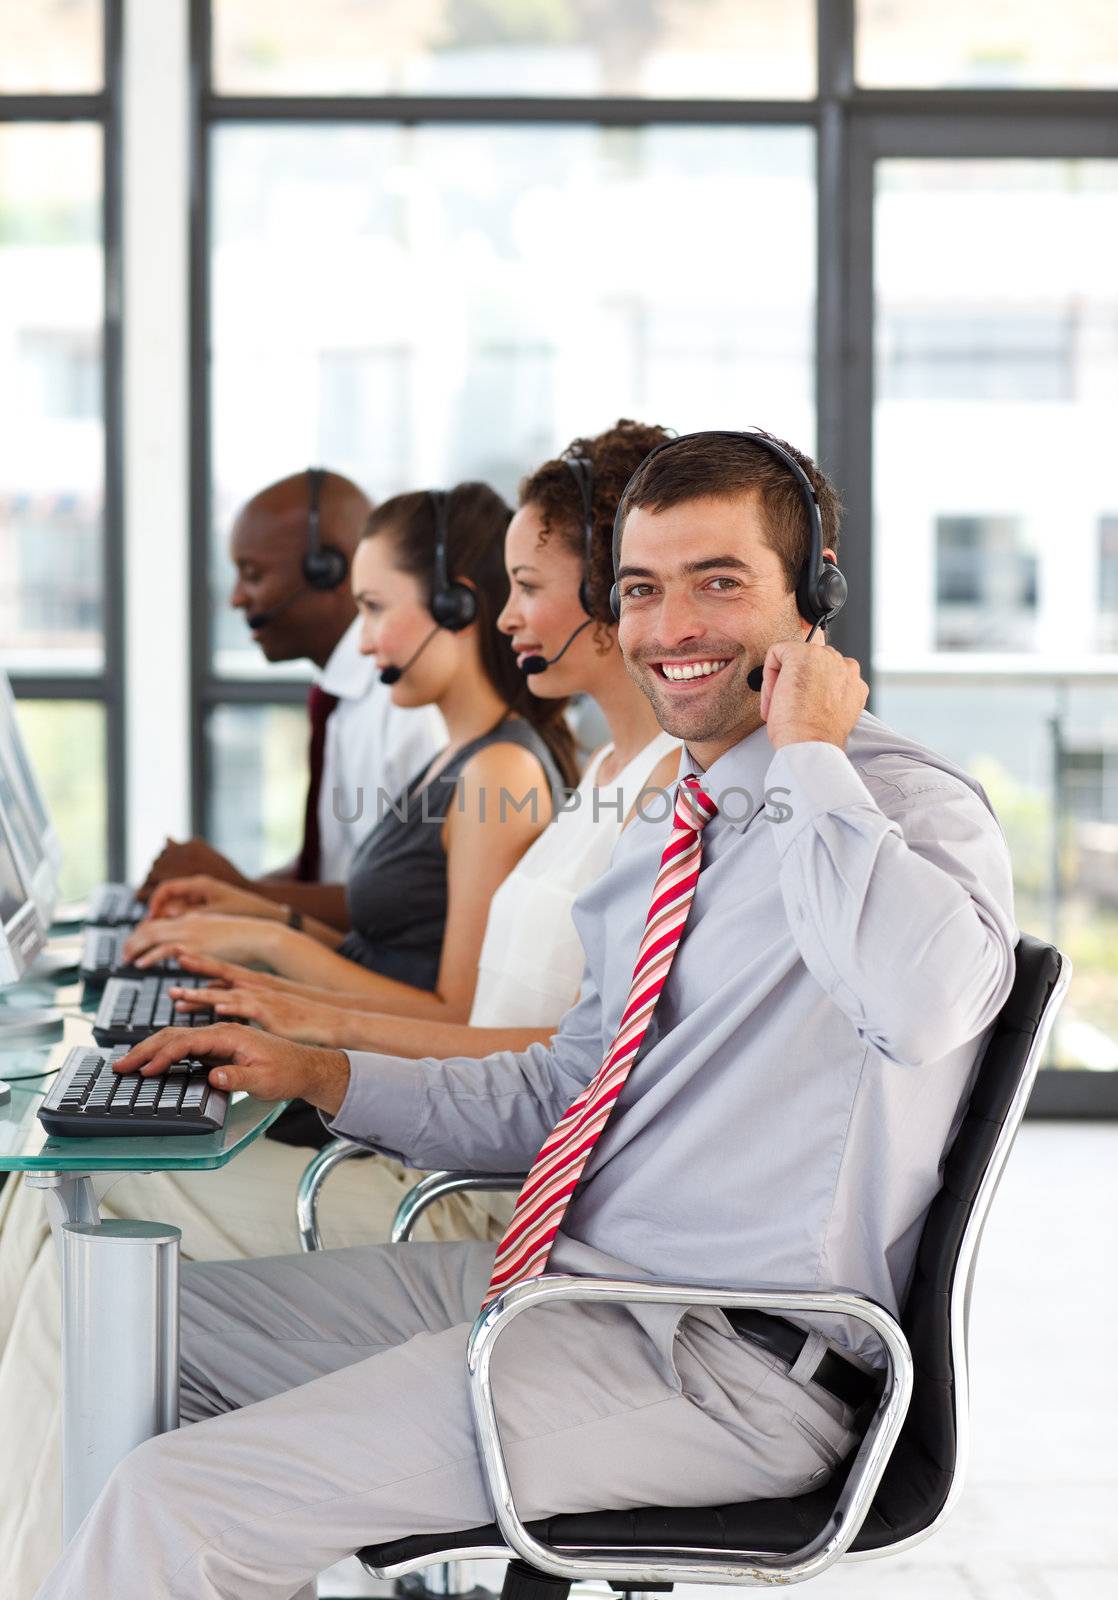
{"x": 324, "y": 565}
{"x": 821, "y": 589}
{"x": 582, "y": 470}
{"x": 453, "y": 605}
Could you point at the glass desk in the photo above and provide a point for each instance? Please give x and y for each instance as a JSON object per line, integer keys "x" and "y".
{"x": 117, "y": 1277}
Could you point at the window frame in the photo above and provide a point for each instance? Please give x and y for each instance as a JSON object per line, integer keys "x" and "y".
{"x": 853, "y": 127}
{"x": 105, "y": 688}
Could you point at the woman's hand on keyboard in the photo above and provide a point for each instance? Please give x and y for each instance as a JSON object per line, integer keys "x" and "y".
{"x": 177, "y": 896}
{"x": 230, "y": 938}
{"x": 246, "y": 1058}
{"x": 234, "y": 974}
{"x": 289, "y": 1016}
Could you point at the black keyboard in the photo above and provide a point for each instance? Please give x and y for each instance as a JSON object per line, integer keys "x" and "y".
{"x": 102, "y": 956}
{"x": 113, "y": 905}
{"x": 131, "y": 1008}
{"x": 88, "y": 1099}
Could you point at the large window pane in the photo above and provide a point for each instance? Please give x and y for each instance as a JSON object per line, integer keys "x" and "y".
{"x": 66, "y": 741}
{"x": 258, "y": 783}
{"x": 998, "y": 44}
{"x": 50, "y": 46}
{"x": 51, "y": 419}
{"x": 995, "y": 510}
{"x": 460, "y": 301}
{"x": 700, "y": 48}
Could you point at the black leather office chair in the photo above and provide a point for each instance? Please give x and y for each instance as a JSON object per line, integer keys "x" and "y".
{"x": 906, "y": 1476}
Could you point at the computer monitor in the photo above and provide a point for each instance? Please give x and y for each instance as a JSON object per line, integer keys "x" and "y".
{"x": 21, "y": 930}
{"x": 24, "y": 809}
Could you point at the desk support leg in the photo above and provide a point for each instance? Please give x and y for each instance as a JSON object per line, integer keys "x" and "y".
{"x": 120, "y": 1350}
{"x": 120, "y": 1334}
{"x": 69, "y": 1197}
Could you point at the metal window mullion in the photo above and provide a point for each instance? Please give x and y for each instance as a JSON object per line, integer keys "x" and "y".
{"x": 411, "y": 109}
{"x": 216, "y": 692}
{"x": 992, "y": 105}
{"x": 58, "y": 107}
{"x": 200, "y": 675}
{"x": 1069, "y": 137}
{"x": 112, "y": 543}
{"x": 48, "y": 686}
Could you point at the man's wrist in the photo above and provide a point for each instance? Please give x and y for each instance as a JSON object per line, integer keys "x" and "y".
{"x": 805, "y": 735}
{"x": 330, "y": 1081}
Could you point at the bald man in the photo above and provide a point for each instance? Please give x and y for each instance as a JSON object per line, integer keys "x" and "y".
{"x": 358, "y": 744}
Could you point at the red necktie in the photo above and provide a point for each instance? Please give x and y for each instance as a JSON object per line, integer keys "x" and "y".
{"x": 536, "y": 1218}
{"x": 319, "y": 706}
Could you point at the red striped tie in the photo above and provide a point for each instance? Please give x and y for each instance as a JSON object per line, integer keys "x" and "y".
{"x": 526, "y": 1245}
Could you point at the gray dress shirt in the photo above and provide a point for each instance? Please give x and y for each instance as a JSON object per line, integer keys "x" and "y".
{"x": 849, "y": 944}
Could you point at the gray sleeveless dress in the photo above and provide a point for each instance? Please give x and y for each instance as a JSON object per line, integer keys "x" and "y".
{"x": 397, "y": 891}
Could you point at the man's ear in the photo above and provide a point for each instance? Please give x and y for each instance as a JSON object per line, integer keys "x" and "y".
{"x": 829, "y": 555}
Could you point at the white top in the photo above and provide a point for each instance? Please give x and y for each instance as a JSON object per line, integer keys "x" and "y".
{"x": 532, "y": 958}
{"x": 370, "y": 743}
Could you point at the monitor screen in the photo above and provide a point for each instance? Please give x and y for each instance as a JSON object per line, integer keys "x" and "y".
{"x": 17, "y": 814}
{"x": 13, "y": 894}
{"x": 14, "y": 758}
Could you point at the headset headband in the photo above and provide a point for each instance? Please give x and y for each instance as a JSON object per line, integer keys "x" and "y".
{"x": 821, "y": 588}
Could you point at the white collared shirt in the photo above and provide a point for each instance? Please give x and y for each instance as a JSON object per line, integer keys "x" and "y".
{"x": 371, "y": 744}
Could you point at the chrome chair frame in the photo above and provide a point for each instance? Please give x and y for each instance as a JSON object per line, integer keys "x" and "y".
{"x": 657, "y": 1566}
{"x": 637, "y": 1568}
{"x": 315, "y": 1174}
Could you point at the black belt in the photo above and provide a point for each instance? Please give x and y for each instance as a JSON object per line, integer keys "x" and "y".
{"x": 782, "y": 1338}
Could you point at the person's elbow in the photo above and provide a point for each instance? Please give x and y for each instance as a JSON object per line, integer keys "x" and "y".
{"x": 938, "y": 1007}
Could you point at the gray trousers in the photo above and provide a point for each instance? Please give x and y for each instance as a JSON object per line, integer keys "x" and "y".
{"x": 329, "y": 1400}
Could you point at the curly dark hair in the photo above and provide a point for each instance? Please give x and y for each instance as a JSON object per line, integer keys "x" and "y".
{"x": 614, "y": 456}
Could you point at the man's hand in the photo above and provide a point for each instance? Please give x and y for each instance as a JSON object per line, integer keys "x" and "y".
{"x": 810, "y": 692}
{"x": 272, "y": 1069}
{"x": 188, "y": 859}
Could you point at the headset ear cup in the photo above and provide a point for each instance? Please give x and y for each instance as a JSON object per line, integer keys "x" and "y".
{"x": 832, "y": 589}
{"x": 326, "y": 567}
{"x": 455, "y": 607}
{"x": 615, "y": 601}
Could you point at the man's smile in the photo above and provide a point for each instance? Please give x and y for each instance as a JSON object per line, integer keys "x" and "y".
{"x": 691, "y": 670}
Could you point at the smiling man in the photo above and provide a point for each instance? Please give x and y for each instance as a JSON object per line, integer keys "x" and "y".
{"x": 779, "y": 1022}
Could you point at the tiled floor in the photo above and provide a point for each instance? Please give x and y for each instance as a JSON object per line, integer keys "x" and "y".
{"x": 1039, "y": 1516}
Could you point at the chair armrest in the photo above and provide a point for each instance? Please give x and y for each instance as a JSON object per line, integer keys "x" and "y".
{"x": 315, "y": 1174}
{"x": 667, "y": 1566}
{"x": 436, "y": 1186}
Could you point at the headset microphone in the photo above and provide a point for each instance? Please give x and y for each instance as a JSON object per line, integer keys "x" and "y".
{"x": 261, "y": 619}
{"x": 391, "y": 675}
{"x": 531, "y": 665}
{"x": 756, "y": 676}
{"x": 582, "y": 471}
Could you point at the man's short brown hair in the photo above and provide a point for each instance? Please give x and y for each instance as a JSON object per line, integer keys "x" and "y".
{"x": 712, "y": 465}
